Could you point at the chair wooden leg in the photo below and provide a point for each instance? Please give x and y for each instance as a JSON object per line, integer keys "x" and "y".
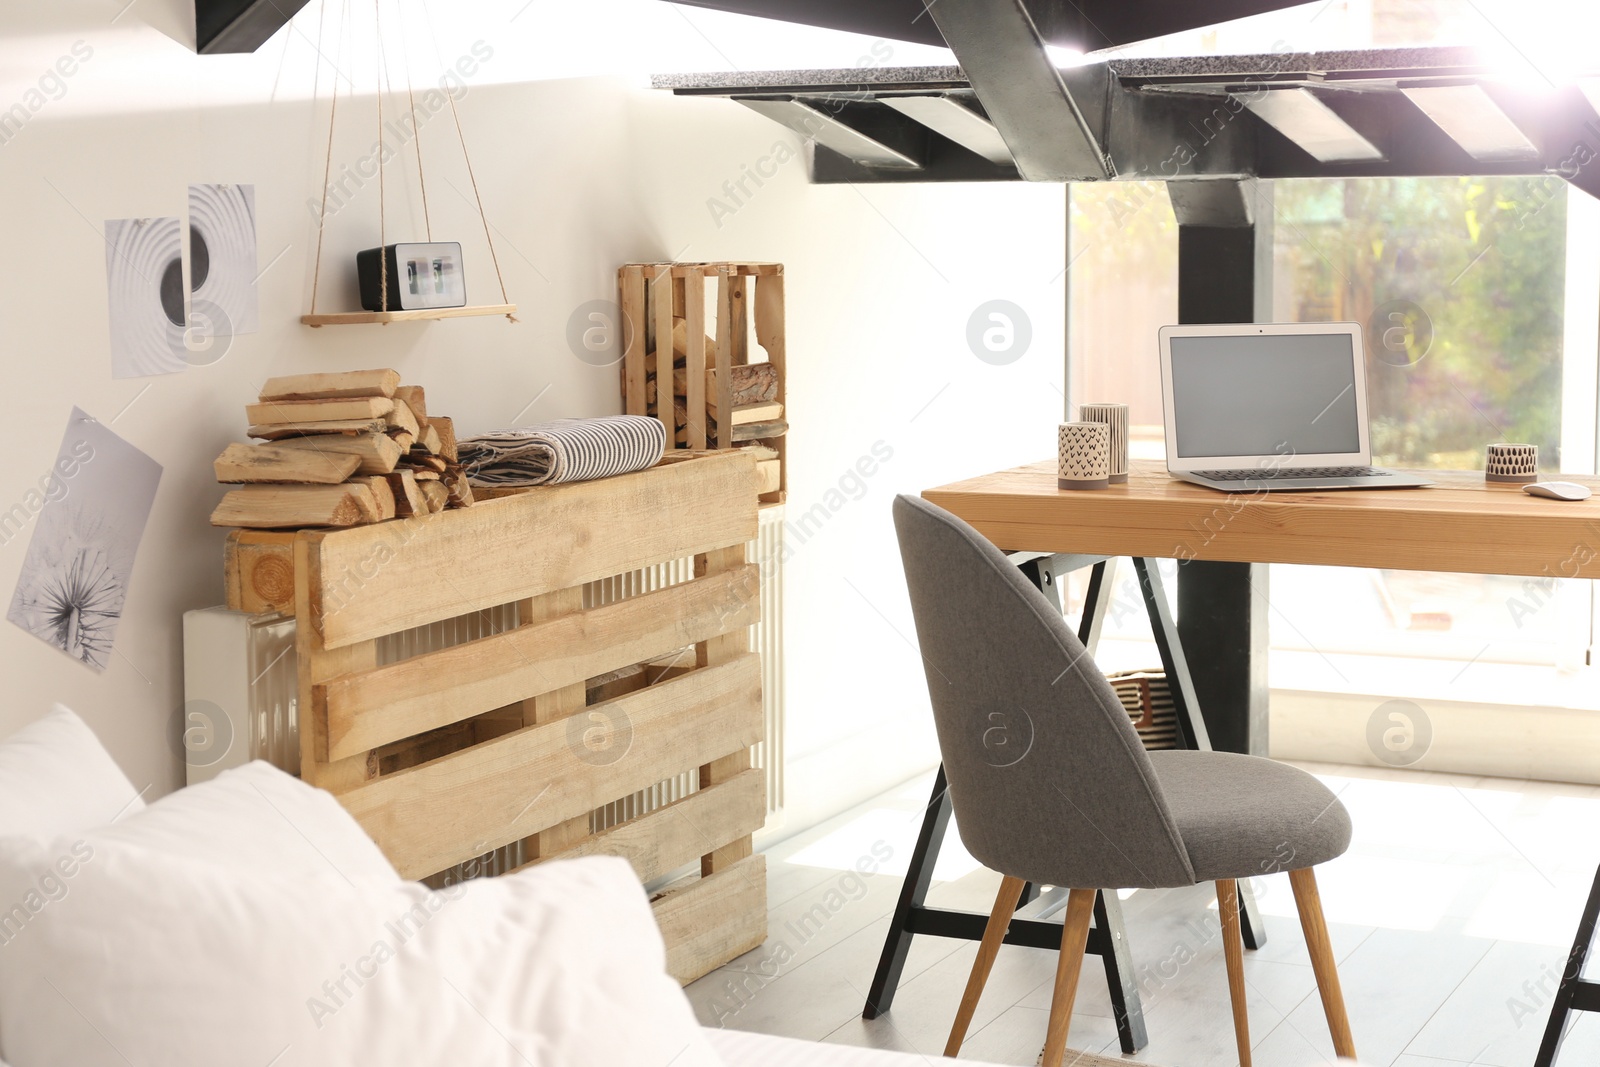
{"x": 1005, "y": 905}
{"x": 1074, "y": 937}
{"x": 1309, "y": 902}
{"x": 1233, "y": 952}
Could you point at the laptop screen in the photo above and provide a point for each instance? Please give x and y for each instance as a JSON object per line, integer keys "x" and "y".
{"x": 1264, "y": 395}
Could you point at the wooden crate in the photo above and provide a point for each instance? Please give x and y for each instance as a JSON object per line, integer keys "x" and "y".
{"x": 449, "y": 754}
{"x": 656, "y": 299}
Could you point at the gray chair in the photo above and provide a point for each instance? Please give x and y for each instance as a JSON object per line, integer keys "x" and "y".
{"x": 1051, "y": 785}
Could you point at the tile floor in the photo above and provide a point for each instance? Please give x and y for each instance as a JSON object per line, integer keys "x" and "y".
{"x": 1451, "y": 915}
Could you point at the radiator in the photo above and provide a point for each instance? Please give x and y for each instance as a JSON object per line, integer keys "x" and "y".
{"x": 241, "y": 687}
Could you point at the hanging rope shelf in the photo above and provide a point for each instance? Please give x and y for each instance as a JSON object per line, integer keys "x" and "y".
{"x": 385, "y": 315}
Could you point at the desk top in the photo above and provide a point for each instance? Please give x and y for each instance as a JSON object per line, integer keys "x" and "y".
{"x": 1460, "y": 524}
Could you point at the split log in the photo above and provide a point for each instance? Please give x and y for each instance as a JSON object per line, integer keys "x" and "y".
{"x": 753, "y": 383}
{"x": 403, "y": 439}
{"x": 680, "y": 339}
{"x": 381, "y": 492}
{"x": 376, "y": 451}
{"x": 437, "y": 495}
{"x": 309, "y": 429}
{"x": 415, "y": 399}
{"x": 402, "y": 418}
{"x": 421, "y": 461}
{"x": 272, "y": 464}
{"x": 408, "y": 498}
{"x": 460, "y": 490}
{"x": 290, "y": 412}
{"x": 330, "y": 386}
{"x": 757, "y": 431}
{"x": 749, "y": 414}
{"x": 429, "y": 439}
{"x": 769, "y": 476}
{"x": 280, "y": 507}
{"x": 446, "y": 429}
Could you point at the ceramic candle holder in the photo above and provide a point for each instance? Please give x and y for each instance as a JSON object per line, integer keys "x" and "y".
{"x": 1115, "y": 416}
{"x": 1514, "y": 464}
{"x": 1085, "y": 456}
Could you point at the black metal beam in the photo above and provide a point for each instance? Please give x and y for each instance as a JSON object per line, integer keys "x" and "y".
{"x": 1225, "y": 275}
{"x": 1051, "y": 130}
{"x": 235, "y": 26}
{"x": 1084, "y": 24}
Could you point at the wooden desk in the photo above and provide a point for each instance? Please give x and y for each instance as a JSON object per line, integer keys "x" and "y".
{"x": 1460, "y": 525}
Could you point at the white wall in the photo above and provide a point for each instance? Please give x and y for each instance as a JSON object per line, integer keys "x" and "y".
{"x": 579, "y": 175}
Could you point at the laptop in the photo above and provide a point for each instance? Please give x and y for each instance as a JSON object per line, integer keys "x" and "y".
{"x": 1268, "y": 407}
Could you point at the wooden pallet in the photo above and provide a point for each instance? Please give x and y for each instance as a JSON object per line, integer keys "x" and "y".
{"x": 449, "y": 754}
{"x": 654, "y": 298}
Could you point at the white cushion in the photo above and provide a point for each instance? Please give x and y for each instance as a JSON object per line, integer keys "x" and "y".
{"x": 256, "y": 818}
{"x": 56, "y": 778}
{"x": 130, "y": 955}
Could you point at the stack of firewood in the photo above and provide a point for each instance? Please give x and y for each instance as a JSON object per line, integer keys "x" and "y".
{"x": 757, "y": 413}
{"x": 340, "y": 450}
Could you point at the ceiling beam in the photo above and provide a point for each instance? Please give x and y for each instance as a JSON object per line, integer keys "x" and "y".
{"x": 225, "y": 27}
{"x": 828, "y": 130}
{"x": 1048, "y": 131}
{"x": 1084, "y": 25}
{"x": 953, "y": 119}
{"x": 1300, "y": 115}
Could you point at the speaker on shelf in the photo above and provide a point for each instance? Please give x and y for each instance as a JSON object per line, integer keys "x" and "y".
{"x": 420, "y": 275}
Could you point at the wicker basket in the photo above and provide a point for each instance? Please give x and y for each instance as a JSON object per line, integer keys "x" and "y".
{"x": 1148, "y": 699}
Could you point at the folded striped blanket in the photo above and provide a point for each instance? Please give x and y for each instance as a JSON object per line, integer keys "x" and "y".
{"x": 567, "y": 450}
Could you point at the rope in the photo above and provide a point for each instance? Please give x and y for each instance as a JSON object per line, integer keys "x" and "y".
{"x": 383, "y": 232}
{"x": 482, "y": 215}
{"x": 416, "y": 127}
{"x": 488, "y": 236}
{"x": 327, "y": 167}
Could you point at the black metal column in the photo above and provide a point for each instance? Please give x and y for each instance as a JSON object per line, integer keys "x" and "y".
{"x": 1575, "y": 993}
{"x": 1225, "y": 275}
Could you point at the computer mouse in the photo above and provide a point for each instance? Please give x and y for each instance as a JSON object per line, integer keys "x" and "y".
{"x": 1558, "y": 490}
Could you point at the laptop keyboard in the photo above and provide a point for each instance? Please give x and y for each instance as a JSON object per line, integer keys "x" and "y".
{"x": 1266, "y": 474}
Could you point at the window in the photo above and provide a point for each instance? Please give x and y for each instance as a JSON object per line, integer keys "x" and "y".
{"x": 1481, "y": 298}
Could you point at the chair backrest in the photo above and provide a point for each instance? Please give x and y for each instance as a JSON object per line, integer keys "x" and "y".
{"x": 1048, "y": 778}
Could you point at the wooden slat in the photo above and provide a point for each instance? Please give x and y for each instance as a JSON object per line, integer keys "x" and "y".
{"x": 661, "y": 309}
{"x": 727, "y": 317}
{"x": 768, "y": 308}
{"x": 665, "y": 839}
{"x": 709, "y": 921}
{"x": 430, "y": 817}
{"x": 694, "y": 356}
{"x": 631, "y": 290}
{"x": 398, "y": 575}
{"x": 325, "y": 385}
{"x": 317, "y": 664}
{"x": 369, "y": 318}
{"x": 556, "y": 705}
{"x": 1459, "y": 525}
{"x": 709, "y": 653}
{"x": 555, "y": 652}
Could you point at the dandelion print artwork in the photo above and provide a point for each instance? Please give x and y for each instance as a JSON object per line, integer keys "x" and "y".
{"x": 91, "y": 509}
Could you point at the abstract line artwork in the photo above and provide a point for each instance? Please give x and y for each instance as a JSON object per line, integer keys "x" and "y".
{"x": 144, "y": 279}
{"x": 73, "y": 588}
{"x": 222, "y": 259}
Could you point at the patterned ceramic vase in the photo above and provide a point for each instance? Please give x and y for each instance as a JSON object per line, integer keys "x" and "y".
{"x": 1115, "y": 416}
{"x": 1512, "y": 463}
{"x": 1085, "y": 456}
